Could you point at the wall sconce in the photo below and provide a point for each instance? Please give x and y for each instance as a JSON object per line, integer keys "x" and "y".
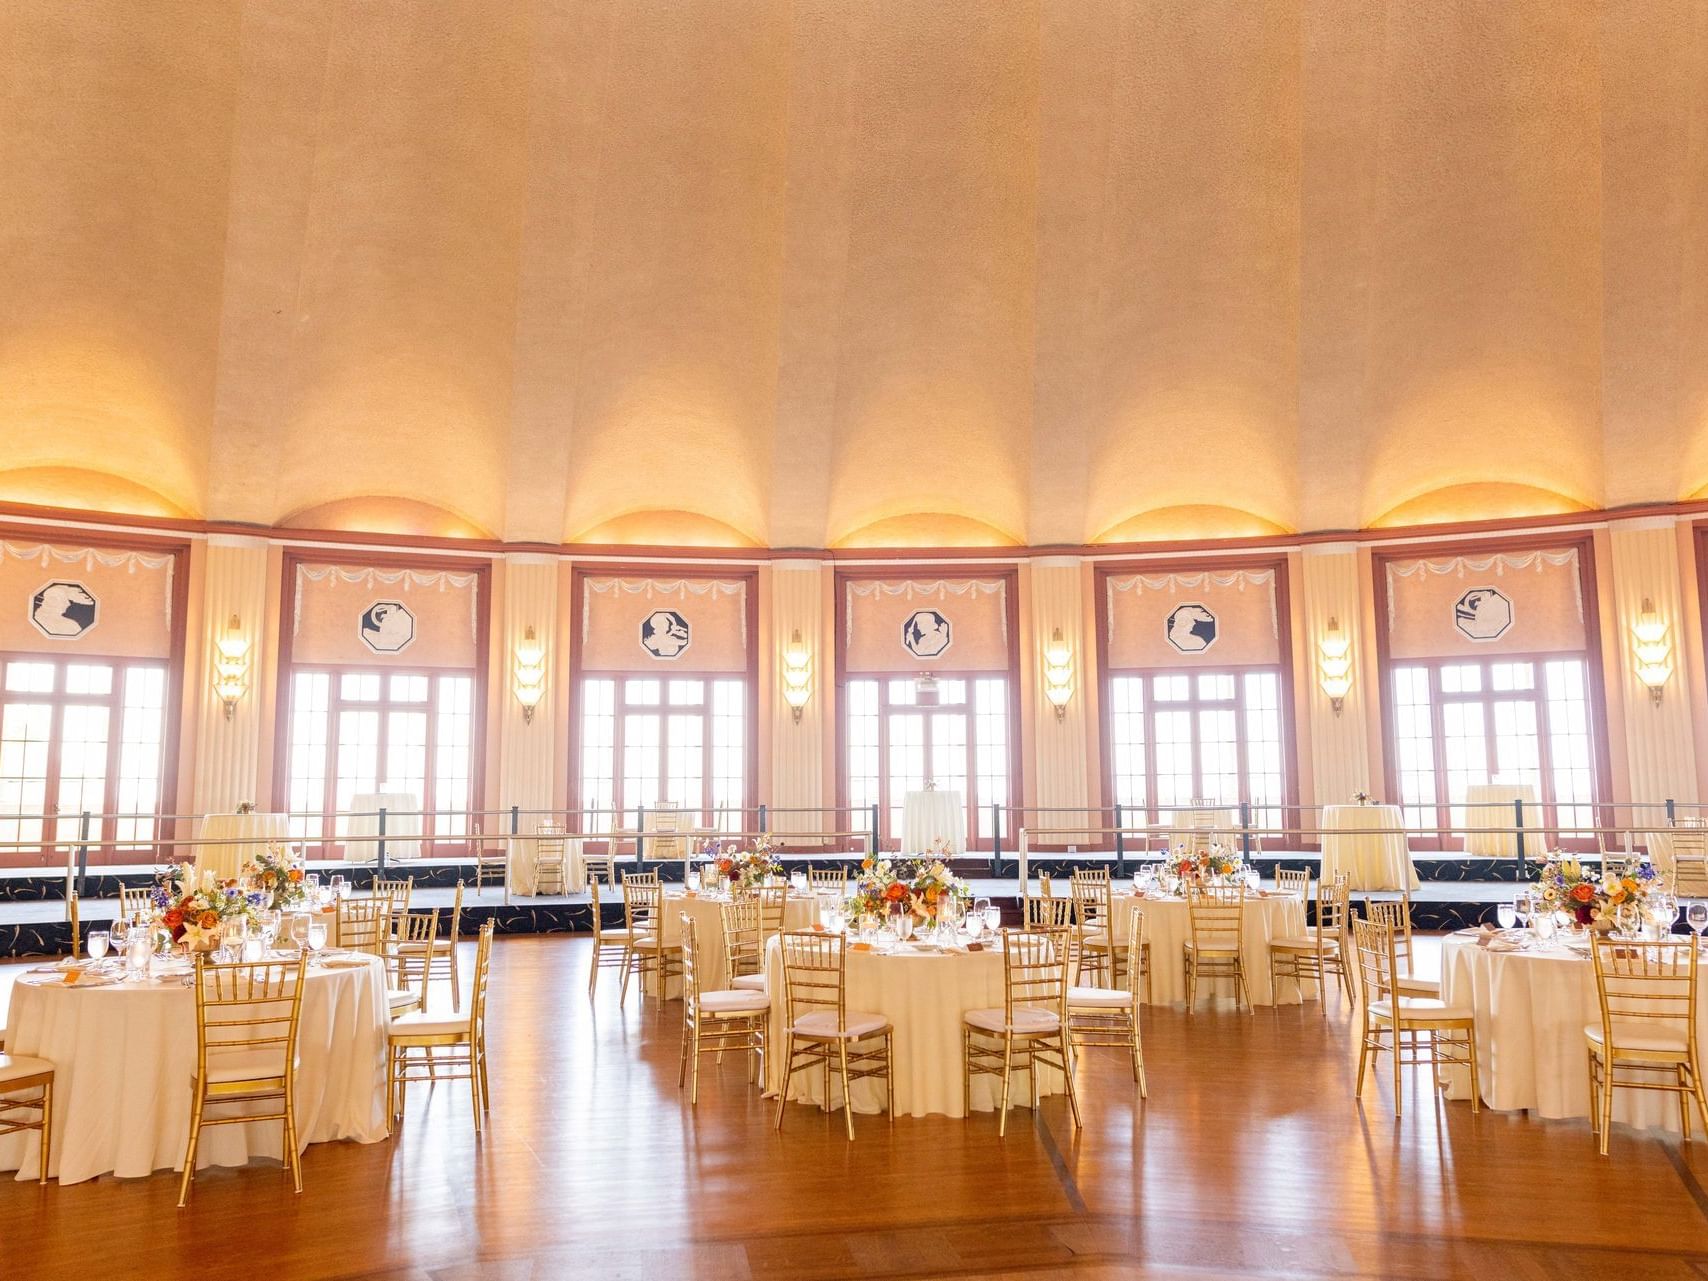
{"x": 1653, "y": 650}
{"x": 231, "y": 666}
{"x": 1334, "y": 664}
{"x": 797, "y": 675}
{"x": 1058, "y": 673}
{"x": 528, "y": 673}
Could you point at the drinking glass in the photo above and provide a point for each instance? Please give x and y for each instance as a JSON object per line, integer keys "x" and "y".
{"x": 1545, "y": 924}
{"x": 1139, "y": 881}
{"x": 1507, "y": 915}
{"x": 299, "y": 931}
{"x": 1523, "y": 908}
{"x": 139, "y": 953}
{"x": 255, "y": 947}
{"x": 1696, "y": 916}
{"x": 693, "y": 880}
{"x": 312, "y": 880}
{"x": 904, "y": 926}
{"x": 981, "y": 906}
{"x": 97, "y": 941}
{"x": 992, "y": 916}
{"x": 975, "y": 926}
{"x": 798, "y": 882}
{"x": 338, "y": 884}
{"x": 316, "y": 935}
{"x": 1252, "y": 880}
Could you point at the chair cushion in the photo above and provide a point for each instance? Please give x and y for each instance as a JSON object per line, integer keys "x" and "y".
{"x": 822, "y": 1024}
{"x": 1419, "y": 1007}
{"x": 1098, "y": 940}
{"x": 1107, "y": 998}
{"x": 730, "y": 1001}
{"x": 1635, "y": 1036}
{"x": 15, "y": 1067}
{"x": 1027, "y": 1019}
{"x": 1418, "y": 987}
{"x": 225, "y": 1067}
{"x": 415, "y": 949}
{"x": 748, "y": 982}
{"x": 420, "y": 1023}
{"x": 614, "y": 936}
{"x": 397, "y": 998}
{"x": 1306, "y": 942}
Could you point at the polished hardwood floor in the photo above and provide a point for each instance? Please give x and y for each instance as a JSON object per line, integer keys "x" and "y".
{"x": 1250, "y": 1159}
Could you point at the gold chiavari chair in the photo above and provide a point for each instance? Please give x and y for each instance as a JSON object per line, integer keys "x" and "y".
{"x": 1046, "y": 912}
{"x": 1690, "y": 875}
{"x": 647, "y": 952}
{"x": 824, "y": 880}
{"x": 417, "y": 935}
{"x": 1415, "y": 1030}
{"x": 1320, "y": 950}
{"x": 397, "y": 894}
{"x": 821, "y": 1030}
{"x": 247, "y": 1015}
{"x": 364, "y": 924}
{"x": 1648, "y": 1030}
{"x": 74, "y": 917}
{"x": 1094, "y": 918}
{"x": 610, "y": 947}
{"x": 1215, "y": 951}
{"x": 1030, "y": 1030}
{"x": 19, "y": 1073}
{"x": 1294, "y": 881}
{"x": 1396, "y": 915}
{"x": 440, "y": 954}
{"x": 715, "y": 1021}
{"x": 491, "y": 859}
{"x": 1099, "y": 1016}
{"x": 428, "y": 1047}
{"x": 773, "y": 910}
{"x": 550, "y": 843}
{"x": 744, "y": 943}
{"x": 137, "y": 902}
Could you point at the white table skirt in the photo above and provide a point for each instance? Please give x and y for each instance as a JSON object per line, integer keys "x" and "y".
{"x": 1531, "y": 1009}
{"x": 924, "y": 997}
{"x": 931, "y": 816}
{"x": 402, "y": 826}
{"x": 524, "y": 863}
{"x": 1372, "y": 860}
{"x": 1168, "y": 926}
{"x": 706, "y": 911}
{"x": 123, "y": 1057}
{"x": 1493, "y": 802}
{"x": 245, "y": 832}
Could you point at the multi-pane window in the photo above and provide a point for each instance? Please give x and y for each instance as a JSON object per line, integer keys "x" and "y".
{"x": 649, "y": 741}
{"x": 80, "y": 736}
{"x": 1178, "y": 738}
{"x": 361, "y": 731}
{"x": 1525, "y": 721}
{"x": 897, "y": 743}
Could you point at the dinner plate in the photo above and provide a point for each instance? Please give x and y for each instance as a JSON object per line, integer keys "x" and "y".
{"x": 56, "y": 978}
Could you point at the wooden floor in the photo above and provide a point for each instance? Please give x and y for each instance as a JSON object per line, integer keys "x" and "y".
{"x": 1249, "y": 1160}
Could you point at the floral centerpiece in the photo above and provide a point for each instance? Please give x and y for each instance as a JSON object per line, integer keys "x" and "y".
{"x": 1199, "y": 867}
{"x": 1595, "y": 900}
{"x": 744, "y": 869}
{"x": 277, "y": 876}
{"x": 197, "y": 913}
{"x": 922, "y": 887}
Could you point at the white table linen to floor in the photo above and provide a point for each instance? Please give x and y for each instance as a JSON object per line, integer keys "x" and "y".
{"x": 1372, "y": 859}
{"x": 706, "y": 911}
{"x": 924, "y": 996}
{"x": 246, "y": 834}
{"x": 524, "y": 863}
{"x": 1168, "y": 926}
{"x": 402, "y": 826}
{"x": 1492, "y": 807}
{"x": 1198, "y": 829}
{"x": 124, "y": 1055}
{"x": 931, "y": 816}
{"x": 1531, "y": 1008}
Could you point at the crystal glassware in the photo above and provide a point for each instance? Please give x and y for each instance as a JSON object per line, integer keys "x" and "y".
{"x": 693, "y": 880}
{"x": 904, "y": 926}
{"x": 97, "y": 943}
{"x": 992, "y": 917}
{"x": 1507, "y": 915}
{"x": 316, "y": 935}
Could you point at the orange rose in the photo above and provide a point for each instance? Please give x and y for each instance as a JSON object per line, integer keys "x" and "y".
{"x": 1583, "y": 892}
{"x": 269, "y": 880}
{"x": 296, "y": 874}
{"x": 208, "y": 920}
{"x": 895, "y": 892}
{"x": 174, "y": 919}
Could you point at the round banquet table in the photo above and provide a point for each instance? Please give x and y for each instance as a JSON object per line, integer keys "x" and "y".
{"x": 706, "y": 911}
{"x": 1168, "y": 926}
{"x": 123, "y": 1057}
{"x": 1531, "y": 1007}
{"x": 1368, "y": 843}
{"x": 241, "y": 837}
{"x": 924, "y": 995}
{"x": 1491, "y": 806}
{"x": 934, "y": 815}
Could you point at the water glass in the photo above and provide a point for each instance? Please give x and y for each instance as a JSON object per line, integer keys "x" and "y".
{"x": 975, "y": 926}
{"x": 1507, "y": 915}
{"x": 254, "y": 948}
{"x": 992, "y": 917}
{"x": 1523, "y": 908}
{"x": 97, "y": 943}
{"x": 316, "y": 935}
{"x": 693, "y": 880}
{"x": 798, "y": 882}
{"x": 139, "y": 953}
{"x": 904, "y": 926}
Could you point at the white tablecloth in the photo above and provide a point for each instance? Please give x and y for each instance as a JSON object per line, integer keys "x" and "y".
{"x": 124, "y": 1055}
{"x": 1198, "y": 829}
{"x": 1377, "y": 860}
{"x": 1493, "y": 808}
{"x": 930, "y": 816}
{"x": 226, "y": 861}
{"x": 924, "y": 996}
{"x": 402, "y": 826}
{"x": 524, "y": 863}
{"x": 1168, "y": 926}
{"x": 706, "y": 911}
{"x": 1531, "y": 1010}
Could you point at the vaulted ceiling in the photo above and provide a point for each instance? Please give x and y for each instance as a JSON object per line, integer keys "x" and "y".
{"x": 853, "y": 272}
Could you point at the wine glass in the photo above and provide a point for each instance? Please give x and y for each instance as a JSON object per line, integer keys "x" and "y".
{"x": 1523, "y": 908}
{"x": 1696, "y": 916}
{"x": 992, "y": 916}
{"x": 798, "y": 882}
{"x": 904, "y": 926}
{"x": 340, "y": 887}
{"x": 981, "y": 907}
{"x": 97, "y": 943}
{"x": 1507, "y": 915}
{"x": 316, "y": 935}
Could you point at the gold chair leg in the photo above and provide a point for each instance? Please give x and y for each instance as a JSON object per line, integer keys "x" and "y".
{"x": 190, "y": 1150}
{"x": 889, "y": 1078}
{"x": 1067, "y": 1074}
{"x": 847, "y": 1086}
{"x": 293, "y": 1157}
{"x": 788, "y": 1075}
{"x": 1606, "y": 1101}
{"x": 1594, "y": 1094}
{"x": 47, "y": 1129}
{"x": 474, "y": 1093}
{"x": 1007, "y": 1073}
{"x": 1363, "y": 1058}
{"x": 694, "y": 1070}
{"x": 1396, "y": 1070}
{"x": 1476, "y": 1084}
